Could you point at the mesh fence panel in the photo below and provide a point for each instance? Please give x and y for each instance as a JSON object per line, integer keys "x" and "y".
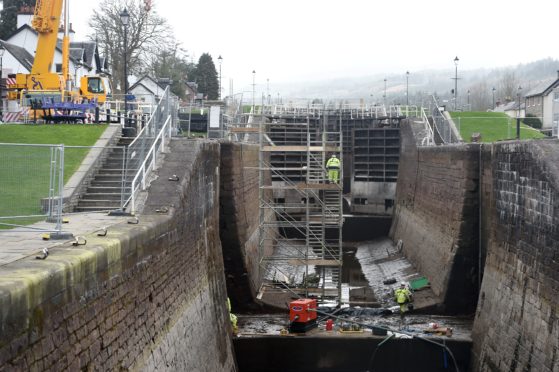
{"x": 29, "y": 175}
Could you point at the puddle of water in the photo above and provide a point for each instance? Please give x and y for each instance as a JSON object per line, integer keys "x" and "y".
{"x": 355, "y": 286}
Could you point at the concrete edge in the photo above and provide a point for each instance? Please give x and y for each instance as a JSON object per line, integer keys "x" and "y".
{"x": 67, "y": 272}
{"x": 452, "y": 124}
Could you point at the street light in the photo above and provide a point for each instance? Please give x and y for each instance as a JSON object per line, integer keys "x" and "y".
{"x": 2, "y": 50}
{"x": 468, "y": 99}
{"x": 220, "y": 59}
{"x": 518, "y": 94}
{"x": 268, "y": 91}
{"x": 253, "y": 88}
{"x": 456, "y": 82}
{"x": 493, "y": 90}
{"x": 124, "y": 18}
{"x": 407, "y": 88}
{"x": 384, "y": 95}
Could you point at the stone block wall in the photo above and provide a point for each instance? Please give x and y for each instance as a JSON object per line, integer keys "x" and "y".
{"x": 148, "y": 296}
{"x": 239, "y": 221}
{"x": 436, "y": 218}
{"x": 517, "y": 320}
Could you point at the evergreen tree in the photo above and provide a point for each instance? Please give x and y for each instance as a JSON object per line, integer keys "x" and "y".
{"x": 206, "y": 77}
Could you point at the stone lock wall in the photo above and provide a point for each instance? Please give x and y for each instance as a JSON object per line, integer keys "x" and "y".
{"x": 148, "y": 297}
{"x": 239, "y": 221}
{"x": 517, "y": 320}
{"x": 436, "y": 218}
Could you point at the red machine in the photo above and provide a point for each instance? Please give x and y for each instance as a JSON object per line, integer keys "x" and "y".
{"x": 302, "y": 315}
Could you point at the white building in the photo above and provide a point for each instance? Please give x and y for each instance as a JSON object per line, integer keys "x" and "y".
{"x": 147, "y": 90}
{"x": 540, "y": 101}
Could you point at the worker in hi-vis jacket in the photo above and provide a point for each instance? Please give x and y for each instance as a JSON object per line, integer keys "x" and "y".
{"x": 403, "y": 297}
{"x": 333, "y": 166}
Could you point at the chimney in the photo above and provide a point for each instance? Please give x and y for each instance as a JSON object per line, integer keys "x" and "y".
{"x": 557, "y": 74}
{"x": 25, "y": 15}
{"x": 71, "y": 33}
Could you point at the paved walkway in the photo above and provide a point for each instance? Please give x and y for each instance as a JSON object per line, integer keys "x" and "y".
{"x": 19, "y": 243}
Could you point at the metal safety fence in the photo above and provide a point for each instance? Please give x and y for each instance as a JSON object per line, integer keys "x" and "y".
{"x": 442, "y": 126}
{"x": 31, "y": 186}
{"x": 142, "y": 152}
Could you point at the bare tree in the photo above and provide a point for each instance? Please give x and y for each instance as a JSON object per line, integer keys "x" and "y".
{"x": 147, "y": 35}
{"x": 480, "y": 96}
{"x": 508, "y": 84}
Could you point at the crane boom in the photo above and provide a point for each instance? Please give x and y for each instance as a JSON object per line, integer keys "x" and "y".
{"x": 41, "y": 83}
{"x": 46, "y": 21}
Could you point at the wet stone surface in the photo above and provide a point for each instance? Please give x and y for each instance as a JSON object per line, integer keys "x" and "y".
{"x": 414, "y": 325}
{"x": 367, "y": 300}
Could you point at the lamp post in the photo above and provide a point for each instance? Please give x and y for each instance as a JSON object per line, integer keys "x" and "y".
{"x": 268, "y": 91}
{"x": 2, "y": 50}
{"x": 384, "y": 95}
{"x": 493, "y": 91}
{"x": 220, "y": 59}
{"x": 456, "y": 82}
{"x": 407, "y": 88}
{"x": 253, "y": 88}
{"x": 124, "y": 18}
{"x": 518, "y": 94}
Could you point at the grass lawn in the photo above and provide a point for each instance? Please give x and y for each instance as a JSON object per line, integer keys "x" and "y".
{"x": 493, "y": 126}
{"x": 24, "y": 170}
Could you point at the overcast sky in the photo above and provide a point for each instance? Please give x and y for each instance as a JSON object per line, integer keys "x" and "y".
{"x": 293, "y": 41}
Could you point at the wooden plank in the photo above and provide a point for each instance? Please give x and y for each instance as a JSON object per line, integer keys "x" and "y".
{"x": 244, "y": 130}
{"x": 317, "y": 186}
{"x": 303, "y": 186}
{"x": 300, "y": 148}
{"x": 315, "y": 262}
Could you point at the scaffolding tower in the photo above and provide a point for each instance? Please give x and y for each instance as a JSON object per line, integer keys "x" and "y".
{"x": 306, "y": 227}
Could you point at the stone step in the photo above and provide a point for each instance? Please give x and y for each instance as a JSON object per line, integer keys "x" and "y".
{"x": 113, "y": 171}
{"x": 102, "y": 183}
{"x": 89, "y": 196}
{"x": 113, "y": 177}
{"x": 94, "y": 209}
{"x": 104, "y": 203}
{"x": 106, "y": 189}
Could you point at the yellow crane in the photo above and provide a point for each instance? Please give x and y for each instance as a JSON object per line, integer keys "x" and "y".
{"x": 41, "y": 82}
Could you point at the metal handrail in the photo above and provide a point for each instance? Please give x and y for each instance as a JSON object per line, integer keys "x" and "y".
{"x": 430, "y": 134}
{"x": 142, "y": 170}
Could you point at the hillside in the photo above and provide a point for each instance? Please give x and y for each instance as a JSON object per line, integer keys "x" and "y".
{"x": 422, "y": 84}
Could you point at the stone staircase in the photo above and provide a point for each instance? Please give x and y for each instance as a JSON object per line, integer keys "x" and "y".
{"x": 105, "y": 190}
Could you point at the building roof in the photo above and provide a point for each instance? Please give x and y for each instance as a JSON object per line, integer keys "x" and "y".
{"x": 89, "y": 48}
{"x": 543, "y": 88}
{"x": 77, "y": 54}
{"x": 19, "y": 53}
{"x": 141, "y": 82}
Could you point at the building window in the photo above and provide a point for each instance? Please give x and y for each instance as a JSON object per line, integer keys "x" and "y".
{"x": 59, "y": 67}
{"x": 556, "y": 95}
